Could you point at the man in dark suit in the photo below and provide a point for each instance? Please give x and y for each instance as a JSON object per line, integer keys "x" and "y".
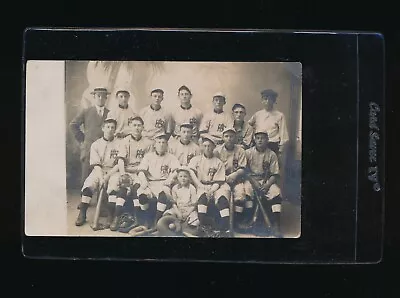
{"x": 92, "y": 119}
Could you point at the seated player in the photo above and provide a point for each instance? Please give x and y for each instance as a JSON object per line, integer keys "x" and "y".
{"x": 184, "y": 205}
{"x": 263, "y": 170}
{"x": 131, "y": 152}
{"x": 244, "y": 132}
{"x": 156, "y": 118}
{"x": 103, "y": 159}
{"x": 208, "y": 175}
{"x": 184, "y": 148}
{"x": 156, "y": 172}
{"x": 234, "y": 158}
{"x": 122, "y": 113}
{"x": 216, "y": 121}
{"x": 187, "y": 113}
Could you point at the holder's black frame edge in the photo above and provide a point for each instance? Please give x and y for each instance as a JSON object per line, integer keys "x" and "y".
{"x": 32, "y": 245}
{"x": 371, "y": 193}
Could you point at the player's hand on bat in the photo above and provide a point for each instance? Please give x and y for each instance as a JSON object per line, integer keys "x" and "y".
{"x": 264, "y": 188}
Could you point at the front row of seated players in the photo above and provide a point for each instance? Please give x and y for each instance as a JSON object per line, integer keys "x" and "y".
{"x": 218, "y": 174}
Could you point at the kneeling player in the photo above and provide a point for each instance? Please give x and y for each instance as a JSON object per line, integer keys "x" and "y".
{"x": 156, "y": 172}
{"x": 103, "y": 159}
{"x": 263, "y": 168}
{"x": 184, "y": 205}
{"x": 234, "y": 158}
{"x": 208, "y": 174}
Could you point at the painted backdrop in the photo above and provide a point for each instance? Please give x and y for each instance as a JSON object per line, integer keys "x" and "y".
{"x": 241, "y": 82}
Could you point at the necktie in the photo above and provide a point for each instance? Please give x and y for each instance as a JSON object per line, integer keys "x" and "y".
{"x": 100, "y": 112}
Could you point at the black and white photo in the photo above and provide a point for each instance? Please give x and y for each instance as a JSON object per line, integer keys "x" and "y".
{"x": 177, "y": 149}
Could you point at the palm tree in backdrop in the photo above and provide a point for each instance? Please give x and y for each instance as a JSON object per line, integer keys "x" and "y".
{"x": 133, "y": 75}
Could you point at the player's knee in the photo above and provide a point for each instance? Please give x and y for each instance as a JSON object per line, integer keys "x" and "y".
{"x": 87, "y": 192}
{"x": 223, "y": 203}
{"x": 162, "y": 197}
{"x": 122, "y": 193}
{"x": 143, "y": 199}
{"x": 203, "y": 199}
{"x": 135, "y": 188}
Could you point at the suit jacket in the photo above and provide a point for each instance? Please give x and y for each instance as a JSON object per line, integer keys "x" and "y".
{"x": 92, "y": 128}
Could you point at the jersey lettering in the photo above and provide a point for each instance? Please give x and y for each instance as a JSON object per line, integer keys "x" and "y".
{"x": 140, "y": 153}
{"x": 211, "y": 173}
{"x": 189, "y": 157}
{"x": 221, "y": 127}
{"x": 164, "y": 169}
{"x": 160, "y": 123}
{"x": 235, "y": 164}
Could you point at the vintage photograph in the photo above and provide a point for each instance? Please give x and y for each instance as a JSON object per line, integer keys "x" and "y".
{"x": 190, "y": 149}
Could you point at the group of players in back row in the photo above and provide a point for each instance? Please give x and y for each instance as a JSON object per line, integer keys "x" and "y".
{"x": 184, "y": 165}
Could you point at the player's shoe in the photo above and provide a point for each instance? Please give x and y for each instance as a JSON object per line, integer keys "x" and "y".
{"x": 115, "y": 224}
{"x": 81, "y": 218}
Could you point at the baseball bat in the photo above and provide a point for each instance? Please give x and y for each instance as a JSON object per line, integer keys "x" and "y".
{"x": 95, "y": 224}
{"x": 258, "y": 200}
{"x": 231, "y": 215}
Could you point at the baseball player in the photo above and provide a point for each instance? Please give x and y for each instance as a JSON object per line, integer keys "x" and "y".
{"x": 186, "y": 113}
{"x": 92, "y": 119}
{"x": 103, "y": 159}
{"x": 234, "y": 158}
{"x": 272, "y": 121}
{"x": 184, "y": 201}
{"x": 263, "y": 170}
{"x": 244, "y": 132}
{"x": 208, "y": 175}
{"x": 122, "y": 113}
{"x": 184, "y": 148}
{"x": 215, "y": 122}
{"x": 156, "y": 118}
{"x": 131, "y": 152}
{"x": 156, "y": 172}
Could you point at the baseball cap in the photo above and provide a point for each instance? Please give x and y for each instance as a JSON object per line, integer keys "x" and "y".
{"x": 161, "y": 135}
{"x": 207, "y": 137}
{"x": 100, "y": 90}
{"x": 229, "y": 129}
{"x": 186, "y": 124}
{"x": 219, "y": 94}
{"x": 238, "y": 105}
{"x": 263, "y": 131}
{"x": 269, "y": 93}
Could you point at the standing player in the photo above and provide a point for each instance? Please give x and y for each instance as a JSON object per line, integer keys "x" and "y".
{"x": 234, "y": 158}
{"x": 92, "y": 119}
{"x": 156, "y": 118}
{"x": 156, "y": 172}
{"x": 122, "y": 113}
{"x": 186, "y": 113}
{"x": 216, "y": 121}
{"x": 184, "y": 148}
{"x": 103, "y": 159}
{"x": 272, "y": 121}
{"x": 131, "y": 152}
{"x": 244, "y": 132}
{"x": 208, "y": 175}
{"x": 263, "y": 167}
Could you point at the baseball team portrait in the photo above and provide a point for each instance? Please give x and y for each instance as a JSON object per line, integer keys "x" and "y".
{"x": 183, "y": 149}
